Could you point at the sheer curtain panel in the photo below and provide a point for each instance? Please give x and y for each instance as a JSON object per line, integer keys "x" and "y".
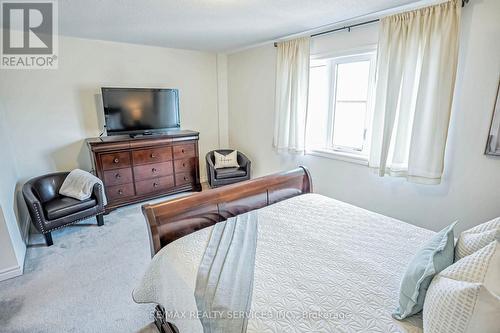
{"x": 416, "y": 67}
{"x": 292, "y": 83}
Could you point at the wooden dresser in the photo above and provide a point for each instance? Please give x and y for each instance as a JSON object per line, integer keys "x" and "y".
{"x": 141, "y": 168}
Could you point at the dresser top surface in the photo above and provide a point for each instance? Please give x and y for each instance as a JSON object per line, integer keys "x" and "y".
{"x": 127, "y": 138}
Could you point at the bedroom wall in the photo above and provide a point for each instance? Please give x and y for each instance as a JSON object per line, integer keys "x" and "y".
{"x": 222, "y": 99}
{"x": 49, "y": 113}
{"x": 12, "y": 247}
{"x": 469, "y": 190}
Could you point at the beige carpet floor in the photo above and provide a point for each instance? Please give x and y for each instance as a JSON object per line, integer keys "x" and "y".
{"x": 83, "y": 283}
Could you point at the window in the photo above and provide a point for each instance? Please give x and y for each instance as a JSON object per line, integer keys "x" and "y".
{"x": 340, "y": 103}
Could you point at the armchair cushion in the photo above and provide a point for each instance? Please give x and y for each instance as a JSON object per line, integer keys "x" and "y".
{"x": 64, "y": 206}
{"x": 229, "y": 160}
{"x": 230, "y": 173}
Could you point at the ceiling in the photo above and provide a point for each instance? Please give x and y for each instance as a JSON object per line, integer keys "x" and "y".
{"x": 211, "y": 25}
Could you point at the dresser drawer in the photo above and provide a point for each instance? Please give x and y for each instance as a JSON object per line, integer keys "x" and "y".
{"x": 118, "y": 176}
{"x": 153, "y": 155}
{"x": 155, "y": 170}
{"x": 120, "y": 191}
{"x": 184, "y": 151}
{"x": 154, "y": 185}
{"x": 112, "y": 161}
{"x": 186, "y": 165}
{"x": 183, "y": 178}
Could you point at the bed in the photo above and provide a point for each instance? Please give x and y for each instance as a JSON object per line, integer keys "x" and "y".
{"x": 320, "y": 265}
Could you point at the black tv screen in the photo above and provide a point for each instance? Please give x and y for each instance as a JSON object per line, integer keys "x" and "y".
{"x": 139, "y": 110}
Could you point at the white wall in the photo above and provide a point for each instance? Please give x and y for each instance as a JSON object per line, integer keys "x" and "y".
{"x": 12, "y": 247}
{"x": 49, "y": 113}
{"x": 222, "y": 98}
{"x": 469, "y": 191}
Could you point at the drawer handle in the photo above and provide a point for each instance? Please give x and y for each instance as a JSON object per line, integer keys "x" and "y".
{"x": 185, "y": 178}
{"x": 120, "y": 192}
{"x": 116, "y": 160}
{"x": 117, "y": 176}
{"x": 183, "y": 165}
{"x": 153, "y": 170}
{"x": 155, "y": 184}
{"x": 153, "y": 155}
{"x": 182, "y": 150}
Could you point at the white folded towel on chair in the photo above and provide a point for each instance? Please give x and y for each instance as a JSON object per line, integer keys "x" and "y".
{"x": 79, "y": 185}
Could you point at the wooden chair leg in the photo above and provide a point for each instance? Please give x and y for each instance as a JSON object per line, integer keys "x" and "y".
{"x": 100, "y": 220}
{"x": 48, "y": 239}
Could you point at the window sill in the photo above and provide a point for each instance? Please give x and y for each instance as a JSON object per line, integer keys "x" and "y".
{"x": 338, "y": 155}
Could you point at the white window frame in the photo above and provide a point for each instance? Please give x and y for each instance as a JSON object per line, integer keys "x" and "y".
{"x": 331, "y": 60}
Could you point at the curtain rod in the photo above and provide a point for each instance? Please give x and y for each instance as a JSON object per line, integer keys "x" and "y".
{"x": 349, "y": 27}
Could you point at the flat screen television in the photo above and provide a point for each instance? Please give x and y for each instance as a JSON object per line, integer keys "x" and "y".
{"x": 136, "y": 111}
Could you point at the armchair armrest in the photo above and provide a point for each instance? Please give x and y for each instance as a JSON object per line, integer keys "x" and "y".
{"x": 244, "y": 162}
{"x": 247, "y": 167}
{"x": 242, "y": 159}
{"x": 98, "y": 194}
{"x": 34, "y": 208}
{"x": 210, "y": 166}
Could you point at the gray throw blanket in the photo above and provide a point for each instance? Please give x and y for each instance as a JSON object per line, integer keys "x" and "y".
{"x": 79, "y": 184}
{"x": 224, "y": 282}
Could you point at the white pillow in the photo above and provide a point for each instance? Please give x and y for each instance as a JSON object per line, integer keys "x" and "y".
{"x": 226, "y": 161}
{"x": 465, "y": 297}
{"x": 476, "y": 238}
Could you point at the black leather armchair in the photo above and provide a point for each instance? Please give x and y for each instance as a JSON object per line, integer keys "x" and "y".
{"x": 226, "y": 176}
{"x": 50, "y": 211}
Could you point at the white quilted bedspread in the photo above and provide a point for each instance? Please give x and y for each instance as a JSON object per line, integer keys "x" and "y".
{"x": 321, "y": 266}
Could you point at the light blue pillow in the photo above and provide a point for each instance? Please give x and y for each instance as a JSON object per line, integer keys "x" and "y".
{"x": 431, "y": 259}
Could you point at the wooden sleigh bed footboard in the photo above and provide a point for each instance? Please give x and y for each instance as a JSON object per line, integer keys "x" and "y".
{"x": 176, "y": 218}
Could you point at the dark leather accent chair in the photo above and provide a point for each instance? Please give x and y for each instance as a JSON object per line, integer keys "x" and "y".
{"x": 50, "y": 211}
{"x": 226, "y": 176}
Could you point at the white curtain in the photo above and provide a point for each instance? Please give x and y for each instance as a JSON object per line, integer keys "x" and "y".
{"x": 416, "y": 67}
{"x": 292, "y": 83}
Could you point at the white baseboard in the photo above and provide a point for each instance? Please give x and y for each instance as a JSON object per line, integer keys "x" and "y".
{"x": 11, "y": 272}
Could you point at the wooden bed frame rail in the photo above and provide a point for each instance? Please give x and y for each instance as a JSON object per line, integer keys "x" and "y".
{"x": 176, "y": 218}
